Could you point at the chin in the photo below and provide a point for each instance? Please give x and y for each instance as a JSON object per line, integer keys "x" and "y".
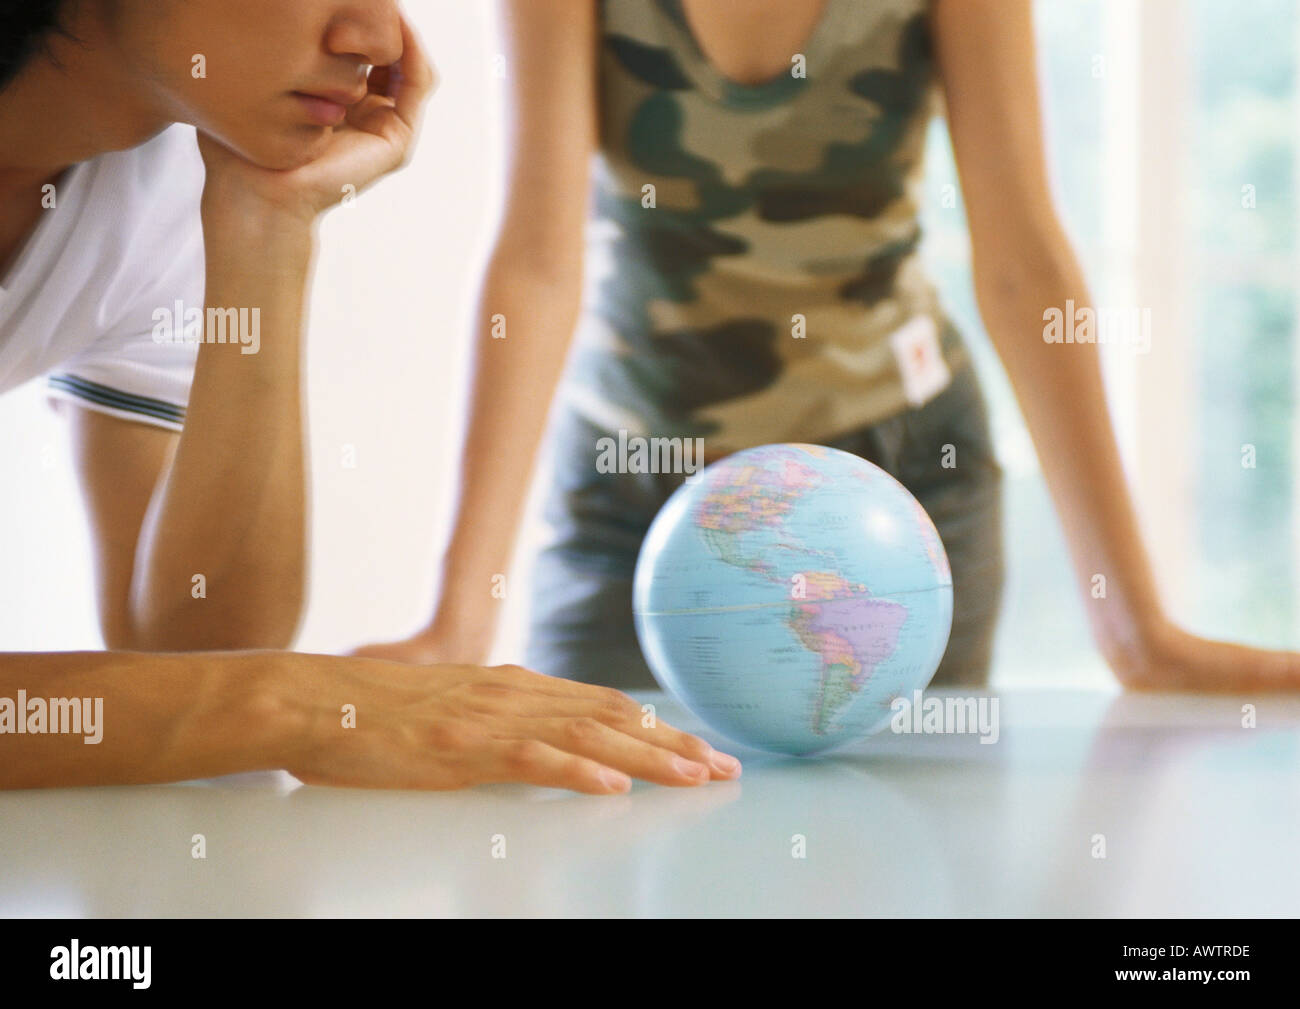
{"x": 286, "y": 151}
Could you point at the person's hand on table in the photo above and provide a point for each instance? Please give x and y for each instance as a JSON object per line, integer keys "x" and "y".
{"x": 462, "y": 638}
{"x": 1169, "y": 658}
{"x": 453, "y": 726}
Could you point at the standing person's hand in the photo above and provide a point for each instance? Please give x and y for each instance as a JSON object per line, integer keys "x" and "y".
{"x": 444, "y": 641}
{"x": 1170, "y": 658}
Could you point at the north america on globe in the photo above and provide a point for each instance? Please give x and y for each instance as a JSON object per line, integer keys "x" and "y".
{"x": 835, "y": 619}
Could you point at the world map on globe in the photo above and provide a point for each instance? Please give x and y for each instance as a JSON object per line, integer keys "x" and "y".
{"x": 788, "y": 593}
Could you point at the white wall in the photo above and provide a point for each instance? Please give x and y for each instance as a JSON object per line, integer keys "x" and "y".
{"x": 46, "y": 592}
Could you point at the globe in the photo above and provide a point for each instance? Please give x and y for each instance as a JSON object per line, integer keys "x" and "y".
{"x": 788, "y": 594}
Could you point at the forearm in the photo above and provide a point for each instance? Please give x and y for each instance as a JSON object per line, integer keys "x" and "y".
{"x": 514, "y": 381}
{"x": 157, "y": 717}
{"x": 222, "y": 558}
{"x": 1061, "y": 393}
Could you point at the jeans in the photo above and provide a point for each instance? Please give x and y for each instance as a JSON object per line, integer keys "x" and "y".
{"x": 581, "y": 624}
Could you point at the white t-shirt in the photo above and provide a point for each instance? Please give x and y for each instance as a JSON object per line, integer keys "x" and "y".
{"x": 123, "y": 241}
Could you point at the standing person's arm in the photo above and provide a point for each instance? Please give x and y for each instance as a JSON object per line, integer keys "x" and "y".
{"x": 1023, "y": 265}
{"x": 533, "y": 282}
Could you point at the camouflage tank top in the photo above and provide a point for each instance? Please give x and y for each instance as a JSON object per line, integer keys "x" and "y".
{"x": 753, "y": 267}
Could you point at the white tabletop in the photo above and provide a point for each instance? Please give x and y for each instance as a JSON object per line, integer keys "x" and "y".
{"x": 1199, "y": 816}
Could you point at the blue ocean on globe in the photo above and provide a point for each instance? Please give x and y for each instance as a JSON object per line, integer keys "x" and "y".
{"x": 788, "y": 594}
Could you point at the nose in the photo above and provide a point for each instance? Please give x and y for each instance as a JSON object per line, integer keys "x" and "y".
{"x": 370, "y": 30}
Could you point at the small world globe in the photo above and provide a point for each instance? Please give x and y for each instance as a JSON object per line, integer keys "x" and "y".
{"x": 788, "y": 594}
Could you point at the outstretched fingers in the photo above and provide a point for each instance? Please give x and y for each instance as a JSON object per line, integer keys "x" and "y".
{"x": 538, "y": 763}
{"x": 610, "y": 707}
{"x": 591, "y": 738}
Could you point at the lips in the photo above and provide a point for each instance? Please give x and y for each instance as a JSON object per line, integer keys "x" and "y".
{"x": 327, "y": 108}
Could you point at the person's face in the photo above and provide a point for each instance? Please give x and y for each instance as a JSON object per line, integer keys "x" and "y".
{"x": 268, "y": 78}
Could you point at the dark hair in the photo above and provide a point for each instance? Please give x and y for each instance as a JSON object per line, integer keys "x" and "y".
{"x": 24, "y": 27}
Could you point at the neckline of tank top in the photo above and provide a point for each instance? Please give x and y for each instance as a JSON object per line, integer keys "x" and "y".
{"x": 732, "y": 92}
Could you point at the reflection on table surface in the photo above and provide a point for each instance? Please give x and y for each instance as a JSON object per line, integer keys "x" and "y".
{"x": 1198, "y": 815}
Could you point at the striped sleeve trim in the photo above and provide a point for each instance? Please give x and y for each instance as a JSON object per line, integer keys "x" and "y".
{"x": 116, "y": 400}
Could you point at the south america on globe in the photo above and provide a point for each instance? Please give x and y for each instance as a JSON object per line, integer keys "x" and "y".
{"x": 788, "y": 594}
